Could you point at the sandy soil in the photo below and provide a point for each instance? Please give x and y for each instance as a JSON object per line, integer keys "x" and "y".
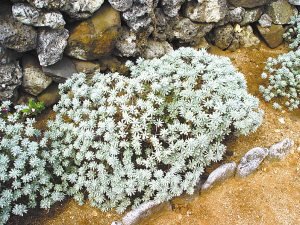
{"x": 269, "y": 196}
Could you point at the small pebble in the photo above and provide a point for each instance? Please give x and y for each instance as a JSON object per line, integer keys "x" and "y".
{"x": 281, "y": 120}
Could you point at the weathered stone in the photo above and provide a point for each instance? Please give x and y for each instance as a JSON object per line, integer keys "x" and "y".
{"x": 206, "y": 11}
{"x": 202, "y": 43}
{"x": 95, "y": 37}
{"x": 187, "y": 31}
{"x": 127, "y": 43}
{"x": 281, "y": 149}
{"x": 294, "y": 2}
{"x": 281, "y": 11}
{"x": 34, "y": 79}
{"x": 236, "y": 15}
{"x": 247, "y": 37}
{"x": 15, "y": 35}
{"x": 121, "y": 5}
{"x": 51, "y": 45}
{"x": 7, "y": 55}
{"x": 113, "y": 64}
{"x": 265, "y": 21}
{"x": 220, "y": 174}
{"x": 61, "y": 70}
{"x": 10, "y": 79}
{"x": 272, "y": 35}
{"x": 249, "y": 3}
{"x": 76, "y": 9}
{"x": 50, "y": 96}
{"x": 163, "y": 27}
{"x": 156, "y": 49}
{"x": 251, "y": 16}
{"x": 251, "y": 161}
{"x": 223, "y": 36}
{"x": 29, "y": 15}
{"x": 86, "y": 67}
{"x": 171, "y": 7}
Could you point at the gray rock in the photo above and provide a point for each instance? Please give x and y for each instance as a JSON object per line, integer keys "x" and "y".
{"x": 171, "y": 7}
{"x": 236, "y": 15}
{"x": 220, "y": 174}
{"x": 281, "y": 149}
{"x": 48, "y": 4}
{"x": 265, "y": 21}
{"x": 61, "y": 70}
{"x": 164, "y": 25}
{"x": 10, "y": 79}
{"x": 34, "y": 79}
{"x": 15, "y": 35}
{"x": 7, "y": 55}
{"x": 121, "y": 5}
{"x": 156, "y": 49}
{"x": 206, "y": 11}
{"x": 187, "y": 31}
{"x": 251, "y": 161}
{"x": 247, "y": 37}
{"x": 251, "y": 16}
{"x": 281, "y": 11}
{"x": 294, "y": 2}
{"x": 51, "y": 45}
{"x": 223, "y": 36}
{"x": 272, "y": 35}
{"x": 127, "y": 44}
{"x": 29, "y": 15}
{"x": 249, "y": 3}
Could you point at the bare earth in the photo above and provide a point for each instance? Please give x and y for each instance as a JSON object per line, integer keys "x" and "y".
{"x": 269, "y": 196}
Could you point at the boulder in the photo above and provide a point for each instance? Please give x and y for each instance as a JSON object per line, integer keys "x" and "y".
{"x": 61, "y": 70}
{"x": 249, "y": 3}
{"x": 171, "y": 7}
{"x": 50, "y": 96}
{"x": 223, "y": 36}
{"x": 281, "y": 149}
{"x": 206, "y": 11}
{"x": 236, "y": 15}
{"x": 51, "y": 45}
{"x": 294, "y": 2}
{"x": 251, "y": 16}
{"x": 281, "y": 11}
{"x": 272, "y": 35}
{"x": 95, "y": 37}
{"x": 121, "y": 5}
{"x": 265, "y": 21}
{"x": 29, "y": 15}
{"x": 127, "y": 44}
{"x": 247, "y": 37}
{"x": 15, "y": 35}
{"x": 156, "y": 49}
{"x": 34, "y": 79}
{"x": 220, "y": 174}
{"x": 10, "y": 79}
{"x": 251, "y": 161}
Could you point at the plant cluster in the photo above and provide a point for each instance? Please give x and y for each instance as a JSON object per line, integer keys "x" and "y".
{"x": 32, "y": 108}
{"x": 121, "y": 141}
{"x": 283, "y": 72}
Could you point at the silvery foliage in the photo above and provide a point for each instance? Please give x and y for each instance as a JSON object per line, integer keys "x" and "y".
{"x": 122, "y": 141}
{"x": 283, "y": 72}
{"x": 23, "y": 176}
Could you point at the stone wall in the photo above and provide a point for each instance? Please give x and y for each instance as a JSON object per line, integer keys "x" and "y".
{"x": 43, "y": 42}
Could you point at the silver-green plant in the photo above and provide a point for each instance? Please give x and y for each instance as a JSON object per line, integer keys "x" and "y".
{"x": 292, "y": 35}
{"x": 122, "y": 141}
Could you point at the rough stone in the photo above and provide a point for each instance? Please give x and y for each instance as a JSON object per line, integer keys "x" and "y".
{"x": 29, "y": 15}
{"x": 164, "y": 25}
{"x": 281, "y": 11}
{"x": 7, "y": 55}
{"x": 87, "y": 67}
{"x": 127, "y": 43}
{"x": 15, "y": 35}
{"x": 10, "y": 79}
{"x": 171, "y": 7}
{"x": 223, "y": 36}
{"x": 272, "y": 35}
{"x": 121, "y": 5}
{"x": 156, "y": 49}
{"x": 95, "y": 37}
{"x": 34, "y": 79}
{"x": 251, "y": 161}
{"x": 113, "y": 64}
{"x": 50, "y": 96}
{"x": 236, "y": 15}
{"x": 187, "y": 31}
{"x": 202, "y": 44}
{"x": 249, "y": 3}
{"x": 247, "y": 37}
{"x": 265, "y": 21}
{"x": 51, "y": 45}
{"x": 251, "y": 16}
{"x": 61, "y": 70}
{"x": 220, "y": 174}
{"x": 206, "y": 11}
{"x": 281, "y": 149}
{"x": 294, "y": 2}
